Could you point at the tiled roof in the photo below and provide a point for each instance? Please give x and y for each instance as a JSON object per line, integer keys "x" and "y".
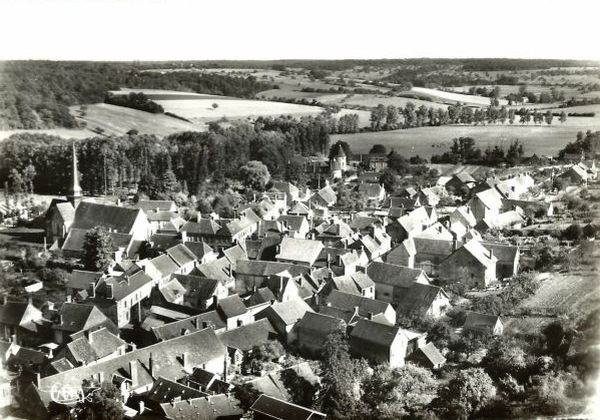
{"x": 120, "y": 219}
{"x": 432, "y": 354}
{"x": 211, "y": 407}
{"x": 206, "y": 227}
{"x": 125, "y": 285}
{"x": 81, "y": 279}
{"x": 348, "y": 302}
{"x": 477, "y": 320}
{"x": 491, "y": 198}
{"x": 375, "y": 332}
{"x": 418, "y": 298}
{"x": 191, "y": 324}
{"x": 247, "y": 336}
{"x": 302, "y": 250}
{"x": 320, "y": 323}
{"x": 232, "y": 306}
{"x": 164, "y": 265}
{"x": 293, "y": 222}
{"x": 393, "y": 275}
{"x": 290, "y": 311}
{"x": 199, "y": 249}
{"x": 181, "y": 254}
{"x": 198, "y": 288}
{"x": 278, "y": 409}
{"x": 76, "y": 238}
{"x": 172, "y": 290}
{"x": 152, "y": 205}
{"x": 76, "y": 317}
{"x": 475, "y": 248}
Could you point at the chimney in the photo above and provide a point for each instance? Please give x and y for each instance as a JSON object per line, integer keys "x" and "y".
{"x": 5, "y": 299}
{"x": 38, "y": 378}
{"x": 151, "y": 366}
{"x": 230, "y": 270}
{"x": 491, "y": 254}
{"x": 109, "y": 291}
{"x": 29, "y": 299}
{"x": 370, "y": 316}
{"x": 356, "y": 309}
{"x": 184, "y": 360}
{"x": 215, "y": 301}
{"x": 316, "y": 299}
{"x": 141, "y": 410}
{"x": 133, "y": 372}
{"x": 93, "y": 290}
{"x": 13, "y": 338}
{"x": 62, "y": 321}
{"x": 454, "y": 244}
{"x": 69, "y": 298}
{"x": 50, "y": 306}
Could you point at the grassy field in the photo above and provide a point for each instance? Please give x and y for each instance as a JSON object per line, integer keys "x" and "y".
{"x": 119, "y": 120}
{"x": 202, "y": 111}
{"x": 443, "y": 96}
{"x": 425, "y": 141}
{"x": 60, "y": 132}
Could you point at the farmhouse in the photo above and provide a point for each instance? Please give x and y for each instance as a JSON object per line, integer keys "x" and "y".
{"x": 472, "y": 264}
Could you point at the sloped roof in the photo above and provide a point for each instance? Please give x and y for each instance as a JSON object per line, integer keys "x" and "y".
{"x": 152, "y": 205}
{"x": 197, "y": 287}
{"x": 203, "y": 226}
{"x": 504, "y": 252}
{"x": 165, "y": 391}
{"x": 353, "y": 283}
{"x": 164, "y": 265}
{"x": 66, "y": 211}
{"x": 120, "y": 219}
{"x": 475, "y": 248}
{"x": 261, "y": 296}
{"x": 247, "y": 336}
{"x": 81, "y": 279}
{"x": 211, "y": 407}
{"x": 347, "y": 301}
{"x": 199, "y": 249}
{"x": 320, "y": 323}
{"x": 301, "y": 250}
{"x": 104, "y": 342}
{"x": 431, "y": 353}
{"x": 12, "y": 313}
{"x": 299, "y": 209}
{"x": 172, "y": 290}
{"x": 76, "y": 238}
{"x": 124, "y": 285}
{"x": 363, "y": 222}
{"x": 375, "y": 332}
{"x": 76, "y": 317}
{"x": 491, "y": 198}
{"x": 393, "y": 275}
{"x": 232, "y": 306}
{"x": 218, "y": 269}
{"x": 478, "y": 320}
{"x": 290, "y": 311}
{"x": 293, "y": 222}
{"x": 267, "y": 268}
{"x": 191, "y": 324}
{"x": 181, "y": 254}
{"x": 418, "y": 298}
{"x": 278, "y": 409}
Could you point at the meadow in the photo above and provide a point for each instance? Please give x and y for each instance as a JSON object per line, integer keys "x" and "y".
{"x": 426, "y": 141}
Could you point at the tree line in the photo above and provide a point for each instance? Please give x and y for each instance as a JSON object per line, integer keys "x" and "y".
{"x": 182, "y": 161}
{"x": 463, "y": 150}
{"x": 38, "y": 94}
{"x": 135, "y": 100}
{"x": 392, "y": 117}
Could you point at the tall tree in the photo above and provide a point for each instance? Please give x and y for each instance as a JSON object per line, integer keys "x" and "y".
{"x": 255, "y": 175}
{"x": 467, "y": 393}
{"x": 102, "y": 404}
{"x": 97, "y": 249}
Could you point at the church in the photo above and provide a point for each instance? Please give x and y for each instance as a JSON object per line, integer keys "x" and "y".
{"x": 68, "y": 220}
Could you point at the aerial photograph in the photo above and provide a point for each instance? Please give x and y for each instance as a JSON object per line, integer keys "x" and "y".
{"x": 299, "y": 210}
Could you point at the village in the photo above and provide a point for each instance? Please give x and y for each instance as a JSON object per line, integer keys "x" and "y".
{"x": 224, "y": 318}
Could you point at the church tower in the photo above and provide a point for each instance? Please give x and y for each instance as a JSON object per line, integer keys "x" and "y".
{"x": 74, "y": 194}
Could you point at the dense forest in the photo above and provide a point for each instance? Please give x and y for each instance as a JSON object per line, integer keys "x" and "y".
{"x": 135, "y": 100}
{"x": 37, "y": 94}
{"x": 186, "y": 159}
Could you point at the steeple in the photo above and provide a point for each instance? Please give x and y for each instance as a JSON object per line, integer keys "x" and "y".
{"x": 74, "y": 193}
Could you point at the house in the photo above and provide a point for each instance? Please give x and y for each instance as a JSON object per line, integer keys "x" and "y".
{"x": 119, "y": 297}
{"x": 203, "y": 230}
{"x": 325, "y": 197}
{"x": 163, "y": 331}
{"x": 234, "y": 312}
{"x": 124, "y": 244}
{"x": 410, "y": 224}
{"x": 78, "y": 281}
{"x": 428, "y": 356}
{"x": 463, "y": 215}
{"x": 365, "y": 224}
{"x": 296, "y": 226}
{"x": 291, "y": 191}
{"x": 270, "y": 408}
{"x": 335, "y": 233}
{"x": 156, "y": 206}
{"x": 300, "y": 209}
{"x": 278, "y": 385}
{"x": 183, "y": 257}
{"x": 164, "y": 221}
{"x": 359, "y": 284}
{"x": 486, "y": 204}
{"x": 391, "y": 280}
{"x": 338, "y": 164}
{"x": 160, "y": 269}
{"x": 436, "y": 231}
{"x": 243, "y": 339}
{"x": 372, "y": 193}
{"x": 379, "y": 343}
{"x": 513, "y": 219}
{"x": 250, "y": 274}
{"x": 362, "y": 306}
{"x": 508, "y": 258}
{"x": 459, "y": 182}
{"x": 136, "y": 371}
{"x": 201, "y": 292}
{"x": 284, "y": 317}
{"x": 483, "y": 324}
{"x": 472, "y": 264}
{"x": 218, "y": 406}
{"x": 202, "y": 252}
{"x": 515, "y": 186}
{"x": 20, "y": 322}
{"x": 76, "y": 318}
{"x": 428, "y": 197}
{"x": 314, "y": 329}
{"x": 93, "y": 347}
{"x": 299, "y": 251}
{"x": 421, "y": 253}
{"x": 423, "y": 300}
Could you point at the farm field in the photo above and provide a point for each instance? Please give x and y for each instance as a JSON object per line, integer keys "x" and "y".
{"x": 119, "y": 120}
{"x": 202, "y": 111}
{"x": 425, "y": 141}
{"x": 443, "y": 96}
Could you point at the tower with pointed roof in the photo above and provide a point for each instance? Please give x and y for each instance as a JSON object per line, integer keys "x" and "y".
{"x": 74, "y": 194}
{"x": 339, "y": 160}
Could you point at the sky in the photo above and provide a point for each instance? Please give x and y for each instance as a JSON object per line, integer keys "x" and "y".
{"x": 277, "y": 29}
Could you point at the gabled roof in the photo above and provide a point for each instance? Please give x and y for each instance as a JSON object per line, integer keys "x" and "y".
{"x": 165, "y": 391}
{"x": 300, "y": 250}
{"x": 181, "y": 254}
{"x": 14, "y": 313}
{"x": 288, "y": 312}
{"x": 199, "y": 288}
{"x": 66, "y": 211}
{"x": 320, "y": 323}
{"x": 293, "y": 222}
{"x": 218, "y": 269}
{"x": 278, "y": 409}
{"x": 190, "y": 324}
{"x": 299, "y": 208}
{"x": 199, "y": 249}
{"x": 393, "y": 275}
{"x": 477, "y": 320}
{"x": 76, "y": 317}
{"x": 76, "y": 238}
{"x": 504, "y": 252}
{"x": 164, "y": 265}
{"x": 81, "y": 279}
{"x": 125, "y": 285}
{"x": 261, "y": 296}
{"x": 247, "y": 336}
{"x": 120, "y": 219}
{"x": 172, "y": 290}
{"x": 481, "y": 254}
{"x": 364, "y": 222}
{"x": 153, "y": 205}
{"x": 491, "y": 198}
{"x": 267, "y": 268}
{"x": 211, "y": 407}
{"x": 376, "y": 333}
{"x": 347, "y": 301}
{"x": 203, "y": 226}
{"x": 353, "y": 283}
{"x": 232, "y": 306}
{"x": 431, "y": 353}
{"x": 418, "y": 299}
